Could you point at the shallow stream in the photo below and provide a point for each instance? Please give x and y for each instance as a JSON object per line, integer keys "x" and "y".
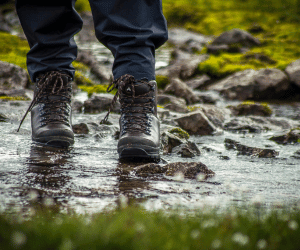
{"x": 89, "y": 177}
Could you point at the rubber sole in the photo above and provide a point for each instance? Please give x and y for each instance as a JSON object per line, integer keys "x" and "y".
{"x": 138, "y": 154}
{"x": 55, "y": 141}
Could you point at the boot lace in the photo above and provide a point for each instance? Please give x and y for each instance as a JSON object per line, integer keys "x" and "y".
{"x": 51, "y": 106}
{"x": 131, "y": 121}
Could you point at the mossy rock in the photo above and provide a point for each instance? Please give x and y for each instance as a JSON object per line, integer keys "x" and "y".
{"x": 251, "y": 108}
{"x": 96, "y": 89}
{"x": 182, "y": 134}
{"x": 162, "y": 81}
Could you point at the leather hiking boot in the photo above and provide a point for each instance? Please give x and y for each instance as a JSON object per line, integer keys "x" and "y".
{"x": 51, "y": 110}
{"x": 139, "y": 125}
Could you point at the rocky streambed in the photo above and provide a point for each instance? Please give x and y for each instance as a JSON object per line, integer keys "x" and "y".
{"x": 216, "y": 149}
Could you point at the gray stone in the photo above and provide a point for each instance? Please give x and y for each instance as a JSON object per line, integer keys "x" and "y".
{"x": 237, "y": 36}
{"x": 257, "y": 124}
{"x": 293, "y": 72}
{"x": 250, "y": 151}
{"x": 292, "y": 137}
{"x": 172, "y": 103}
{"x": 198, "y": 82}
{"x": 180, "y": 37}
{"x": 196, "y": 123}
{"x": 99, "y": 103}
{"x": 256, "y": 85}
{"x": 180, "y": 89}
{"x": 12, "y": 77}
{"x": 80, "y": 128}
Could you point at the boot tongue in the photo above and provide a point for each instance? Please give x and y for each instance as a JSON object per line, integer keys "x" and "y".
{"x": 139, "y": 88}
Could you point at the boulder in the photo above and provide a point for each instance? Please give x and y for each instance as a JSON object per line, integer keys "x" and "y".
{"x": 250, "y": 151}
{"x": 249, "y": 108}
{"x": 237, "y": 37}
{"x": 80, "y": 128}
{"x": 99, "y": 103}
{"x": 257, "y": 124}
{"x": 182, "y": 37}
{"x": 293, "y": 72}
{"x": 196, "y": 123}
{"x": 188, "y": 169}
{"x": 12, "y": 77}
{"x": 172, "y": 103}
{"x": 198, "y": 82}
{"x": 180, "y": 89}
{"x": 217, "y": 115}
{"x": 293, "y": 136}
{"x": 255, "y": 85}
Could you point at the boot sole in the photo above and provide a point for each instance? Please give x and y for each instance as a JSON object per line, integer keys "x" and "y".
{"x": 138, "y": 153}
{"x": 55, "y": 141}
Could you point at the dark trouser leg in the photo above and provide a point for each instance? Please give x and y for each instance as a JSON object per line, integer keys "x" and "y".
{"x": 132, "y": 30}
{"x": 49, "y": 26}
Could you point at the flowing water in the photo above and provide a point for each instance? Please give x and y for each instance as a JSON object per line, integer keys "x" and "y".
{"x": 89, "y": 177}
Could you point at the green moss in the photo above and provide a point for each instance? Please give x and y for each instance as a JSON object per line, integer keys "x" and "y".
{"x": 180, "y": 133}
{"x": 80, "y": 79}
{"x": 82, "y": 5}
{"x": 14, "y": 98}
{"x": 80, "y": 66}
{"x": 13, "y": 49}
{"x": 96, "y": 89}
{"x": 162, "y": 81}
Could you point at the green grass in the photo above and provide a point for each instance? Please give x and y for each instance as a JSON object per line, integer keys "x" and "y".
{"x": 134, "y": 228}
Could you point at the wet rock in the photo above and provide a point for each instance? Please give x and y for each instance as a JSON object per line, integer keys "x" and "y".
{"x": 172, "y": 103}
{"x": 77, "y": 106}
{"x": 291, "y": 137}
{"x": 188, "y": 169}
{"x": 150, "y": 169}
{"x": 256, "y": 85}
{"x": 199, "y": 82}
{"x": 251, "y": 108}
{"x": 170, "y": 141}
{"x": 99, "y": 103}
{"x": 187, "y": 150}
{"x": 184, "y": 65}
{"x": 97, "y": 69}
{"x": 3, "y": 118}
{"x": 293, "y": 72}
{"x": 256, "y": 124}
{"x": 180, "y": 89}
{"x": 237, "y": 36}
{"x": 196, "y": 123}
{"x": 80, "y": 128}
{"x": 182, "y": 37}
{"x": 207, "y": 98}
{"x": 250, "y": 151}
{"x": 216, "y": 115}
{"x": 12, "y": 77}
{"x": 296, "y": 155}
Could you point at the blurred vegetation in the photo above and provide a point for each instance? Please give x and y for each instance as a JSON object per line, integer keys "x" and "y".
{"x": 274, "y": 22}
{"x": 134, "y": 228}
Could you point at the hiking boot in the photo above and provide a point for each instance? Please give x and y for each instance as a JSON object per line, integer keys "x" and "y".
{"x": 51, "y": 110}
{"x": 139, "y": 125}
